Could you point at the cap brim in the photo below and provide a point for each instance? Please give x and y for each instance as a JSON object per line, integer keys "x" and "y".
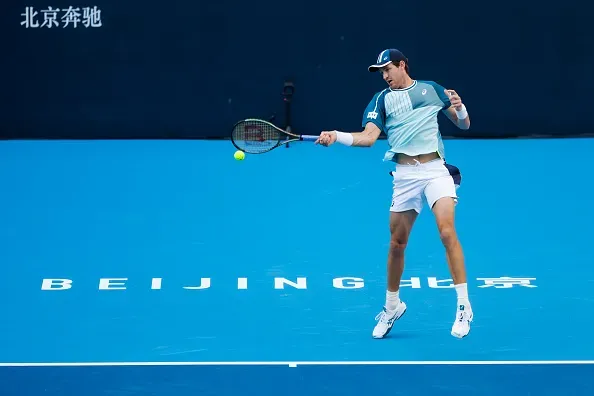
{"x": 377, "y": 66}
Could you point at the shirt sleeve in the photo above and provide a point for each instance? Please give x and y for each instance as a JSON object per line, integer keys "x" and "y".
{"x": 443, "y": 97}
{"x": 375, "y": 112}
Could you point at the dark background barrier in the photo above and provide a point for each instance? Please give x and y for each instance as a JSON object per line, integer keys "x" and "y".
{"x": 190, "y": 69}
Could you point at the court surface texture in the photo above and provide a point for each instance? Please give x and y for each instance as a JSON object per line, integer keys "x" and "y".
{"x": 169, "y": 268}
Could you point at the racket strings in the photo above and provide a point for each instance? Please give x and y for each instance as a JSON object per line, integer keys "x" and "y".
{"x": 253, "y": 137}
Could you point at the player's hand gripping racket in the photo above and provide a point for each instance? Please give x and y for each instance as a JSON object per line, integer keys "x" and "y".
{"x": 254, "y": 136}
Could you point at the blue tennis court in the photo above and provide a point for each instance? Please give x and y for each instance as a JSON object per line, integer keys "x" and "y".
{"x": 169, "y": 268}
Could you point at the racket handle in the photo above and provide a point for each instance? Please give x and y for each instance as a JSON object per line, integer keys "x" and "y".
{"x": 309, "y": 138}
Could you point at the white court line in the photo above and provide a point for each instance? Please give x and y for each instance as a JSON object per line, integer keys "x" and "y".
{"x": 306, "y": 363}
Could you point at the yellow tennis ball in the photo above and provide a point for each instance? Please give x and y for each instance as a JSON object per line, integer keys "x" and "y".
{"x": 239, "y": 155}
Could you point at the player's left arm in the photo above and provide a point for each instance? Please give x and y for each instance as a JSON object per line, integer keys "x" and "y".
{"x": 457, "y": 112}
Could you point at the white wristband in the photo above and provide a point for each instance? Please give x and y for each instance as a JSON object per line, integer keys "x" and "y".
{"x": 462, "y": 114}
{"x": 344, "y": 138}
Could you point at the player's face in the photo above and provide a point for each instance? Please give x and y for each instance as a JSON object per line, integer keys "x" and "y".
{"x": 394, "y": 76}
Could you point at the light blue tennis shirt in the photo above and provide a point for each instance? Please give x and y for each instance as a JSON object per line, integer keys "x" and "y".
{"x": 408, "y": 117}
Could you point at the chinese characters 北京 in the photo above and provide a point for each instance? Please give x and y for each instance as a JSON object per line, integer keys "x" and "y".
{"x": 69, "y": 17}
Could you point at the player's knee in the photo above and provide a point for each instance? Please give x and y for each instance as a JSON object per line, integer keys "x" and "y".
{"x": 398, "y": 244}
{"x": 448, "y": 235}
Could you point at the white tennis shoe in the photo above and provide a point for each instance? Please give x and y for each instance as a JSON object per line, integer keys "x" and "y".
{"x": 386, "y": 320}
{"x": 461, "y": 326}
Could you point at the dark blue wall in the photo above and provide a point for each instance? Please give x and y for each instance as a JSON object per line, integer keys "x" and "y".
{"x": 193, "y": 68}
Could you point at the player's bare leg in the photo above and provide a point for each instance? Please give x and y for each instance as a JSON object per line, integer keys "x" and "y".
{"x": 444, "y": 216}
{"x": 444, "y": 210}
{"x": 400, "y": 226}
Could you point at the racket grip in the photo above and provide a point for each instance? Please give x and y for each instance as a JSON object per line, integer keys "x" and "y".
{"x": 309, "y": 138}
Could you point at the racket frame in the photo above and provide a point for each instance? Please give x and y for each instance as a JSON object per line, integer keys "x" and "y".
{"x": 291, "y": 137}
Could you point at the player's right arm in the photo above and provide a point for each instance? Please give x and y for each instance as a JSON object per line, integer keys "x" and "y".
{"x": 373, "y": 124}
{"x": 366, "y": 138}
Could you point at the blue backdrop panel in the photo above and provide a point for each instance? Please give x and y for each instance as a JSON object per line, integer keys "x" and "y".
{"x": 106, "y": 68}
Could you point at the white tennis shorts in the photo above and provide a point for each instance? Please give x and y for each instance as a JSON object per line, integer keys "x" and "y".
{"x": 422, "y": 183}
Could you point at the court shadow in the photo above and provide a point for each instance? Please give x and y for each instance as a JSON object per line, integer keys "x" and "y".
{"x": 402, "y": 336}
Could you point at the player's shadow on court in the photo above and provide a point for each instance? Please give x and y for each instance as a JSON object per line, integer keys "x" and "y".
{"x": 395, "y": 335}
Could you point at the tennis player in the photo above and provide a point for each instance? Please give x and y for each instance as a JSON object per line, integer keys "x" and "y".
{"x": 407, "y": 112}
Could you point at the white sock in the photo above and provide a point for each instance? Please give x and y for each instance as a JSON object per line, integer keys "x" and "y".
{"x": 462, "y": 292}
{"x": 392, "y": 300}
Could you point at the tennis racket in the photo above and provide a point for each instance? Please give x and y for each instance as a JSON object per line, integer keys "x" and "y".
{"x": 255, "y": 136}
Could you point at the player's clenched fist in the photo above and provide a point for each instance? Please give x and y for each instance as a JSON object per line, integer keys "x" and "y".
{"x": 326, "y": 138}
{"x": 455, "y": 99}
